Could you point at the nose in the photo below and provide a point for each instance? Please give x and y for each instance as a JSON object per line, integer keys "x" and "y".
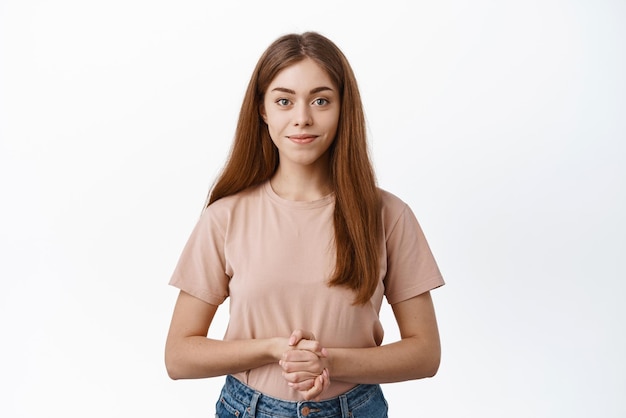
{"x": 302, "y": 115}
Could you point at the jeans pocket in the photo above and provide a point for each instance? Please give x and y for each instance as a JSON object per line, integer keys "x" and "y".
{"x": 223, "y": 409}
{"x": 374, "y": 407}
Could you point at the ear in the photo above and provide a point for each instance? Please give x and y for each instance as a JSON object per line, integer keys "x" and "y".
{"x": 262, "y": 112}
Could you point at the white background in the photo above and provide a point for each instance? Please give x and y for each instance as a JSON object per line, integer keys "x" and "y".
{"x": 502, "y": 124}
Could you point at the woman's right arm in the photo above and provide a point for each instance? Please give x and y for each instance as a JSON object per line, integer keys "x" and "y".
{"x": 189, "y": 354}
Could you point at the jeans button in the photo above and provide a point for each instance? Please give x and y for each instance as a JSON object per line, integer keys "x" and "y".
{"x": 305, "y": 411}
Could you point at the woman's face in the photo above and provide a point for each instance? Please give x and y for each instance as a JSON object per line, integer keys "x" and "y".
{"x": 301, "y": 109}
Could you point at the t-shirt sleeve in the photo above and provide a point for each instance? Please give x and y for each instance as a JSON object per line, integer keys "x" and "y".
{"x": 411, "y": 267}
{"x": 201, "y": 268}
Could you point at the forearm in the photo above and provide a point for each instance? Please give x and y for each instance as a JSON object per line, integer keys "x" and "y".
{"x": 408, "y": 359}
{"x": 196, "y": 357}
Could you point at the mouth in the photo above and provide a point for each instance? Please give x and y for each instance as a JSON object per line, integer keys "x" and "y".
{"x": 302, "y": 138}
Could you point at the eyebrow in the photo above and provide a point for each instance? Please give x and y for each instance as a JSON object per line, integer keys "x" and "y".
{"x": 313, "y": 91}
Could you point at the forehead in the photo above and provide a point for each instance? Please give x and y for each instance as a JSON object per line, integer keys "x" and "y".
{"x": 302, "y": 75}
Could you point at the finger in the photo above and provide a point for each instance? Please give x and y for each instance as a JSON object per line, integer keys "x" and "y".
{"x": 298, "y": 355}
{"x": 312, "y": 346}
{"x": 315, "y": 391}
{"x": 299, "y": 335}
{"x": 301, "y": 367}
{"x": 325, "y": 379}
{"x": 314, "y": 368}
{"x": 299, "y": 376}
{"x": 302, "y": 386}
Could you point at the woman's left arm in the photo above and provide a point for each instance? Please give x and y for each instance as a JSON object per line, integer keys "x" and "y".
{"x": 415, "y": 356}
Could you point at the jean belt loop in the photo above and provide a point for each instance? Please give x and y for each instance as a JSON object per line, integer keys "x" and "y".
{"x": 343, "y": 403}
{"x": 253, "y": 402}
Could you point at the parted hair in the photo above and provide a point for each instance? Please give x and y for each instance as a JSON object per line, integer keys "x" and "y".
{"x": 253, "y": 159}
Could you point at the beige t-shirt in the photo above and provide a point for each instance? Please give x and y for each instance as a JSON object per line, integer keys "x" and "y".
{"x": 273, "y": 257}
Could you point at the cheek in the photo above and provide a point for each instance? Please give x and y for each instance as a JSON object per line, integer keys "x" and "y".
{"x": 272, "y": 124}
{"x": 276, "y": 122}
{"x": 274, "y": 128}
{"x": 332, "y": 123}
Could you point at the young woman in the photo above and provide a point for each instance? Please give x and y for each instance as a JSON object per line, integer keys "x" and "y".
{"x": 305, "y": 244}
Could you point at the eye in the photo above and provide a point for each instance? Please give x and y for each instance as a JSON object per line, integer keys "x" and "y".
{"x": 283, "y": 102}
{"x": 320, "y": 102}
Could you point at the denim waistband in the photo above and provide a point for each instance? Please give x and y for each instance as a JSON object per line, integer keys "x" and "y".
{"x": 258, "y": 403}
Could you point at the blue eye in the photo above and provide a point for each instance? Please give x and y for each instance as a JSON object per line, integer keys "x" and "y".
{"x": 320, "y": 102}
{"x": 283, "y": 102}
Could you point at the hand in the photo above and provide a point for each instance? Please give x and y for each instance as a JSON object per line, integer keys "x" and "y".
{"x": 305, "y": 365}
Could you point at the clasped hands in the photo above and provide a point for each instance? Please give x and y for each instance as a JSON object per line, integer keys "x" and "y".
{"x": 305, "y": 365}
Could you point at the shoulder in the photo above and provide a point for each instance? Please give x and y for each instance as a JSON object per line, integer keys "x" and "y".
{"x": 397, "y": 215}
{"x": 221, "y": 211}
{"x": 226, "y": 204}
{"x": 392, "y": 206}
{"x": 390, "y": 200}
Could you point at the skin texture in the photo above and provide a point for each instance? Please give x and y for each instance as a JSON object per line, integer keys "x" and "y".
{"x": 416, "y": 355}
{"x": 190, "y": 354}
{"x": 301, "y": 109}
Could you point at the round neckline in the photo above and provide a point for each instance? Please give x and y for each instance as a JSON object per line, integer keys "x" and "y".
{"x": 298, "y": 204}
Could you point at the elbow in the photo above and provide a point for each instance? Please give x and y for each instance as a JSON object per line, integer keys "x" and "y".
{"x": 424, "y": 369}
{"x": 427, "y": 363}
{"x": 171, "y": 370}
{"x": 432, "y": 367}
{"x": 432, "y": 363}
{"x": 171, "y": 366}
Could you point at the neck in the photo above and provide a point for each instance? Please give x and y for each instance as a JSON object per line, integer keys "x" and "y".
{"x": 301, "y": 185}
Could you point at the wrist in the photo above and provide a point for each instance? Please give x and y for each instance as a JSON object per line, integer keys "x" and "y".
{"x": 276, "y": 348}
{"x": 328, "y": 361}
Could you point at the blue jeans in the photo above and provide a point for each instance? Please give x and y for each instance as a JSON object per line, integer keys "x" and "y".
{"x": 241, "y": 401}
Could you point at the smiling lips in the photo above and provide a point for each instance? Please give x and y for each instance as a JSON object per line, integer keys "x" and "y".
{"x": 302, "y": 138}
